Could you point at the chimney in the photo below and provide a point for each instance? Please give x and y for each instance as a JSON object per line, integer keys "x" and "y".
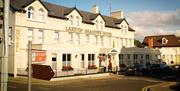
{"x": 95, "y": 9}
{"x": 117, "y": 14}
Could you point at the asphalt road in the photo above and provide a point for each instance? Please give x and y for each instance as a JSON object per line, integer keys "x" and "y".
{"x": 85, "y": 84}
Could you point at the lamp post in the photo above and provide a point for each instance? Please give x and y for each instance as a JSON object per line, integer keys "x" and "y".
{"x": 5, "y": 47}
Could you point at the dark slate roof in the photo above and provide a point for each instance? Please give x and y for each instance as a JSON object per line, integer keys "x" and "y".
{"x": 157, "y": 41}
{"x": 58, "y": 11}
{"x": 131, "y": 29}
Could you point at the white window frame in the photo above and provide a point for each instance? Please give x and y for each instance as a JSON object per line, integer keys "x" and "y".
{"x": 30, "y": 34}
{"x": 101, "y": 40}
{"x": 66, "y": 62}
{"x": 71, "y": 20}
{"x": 97, "y": 40}
{"x": 41, "y": 36}
{"x": 30, "y": 13}
{"x": 78, "y": 38}
{"x": 87, "y": 39}
{"x": 41, "y": 15}
{"x": 71, "y": 37}
{"x": 56, "y": 36}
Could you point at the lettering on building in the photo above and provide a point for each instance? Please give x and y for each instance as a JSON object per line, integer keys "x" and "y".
{"x": 87, "y": 31}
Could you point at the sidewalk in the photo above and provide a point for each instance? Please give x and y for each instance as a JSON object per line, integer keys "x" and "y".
{"x": 164, "y": 86}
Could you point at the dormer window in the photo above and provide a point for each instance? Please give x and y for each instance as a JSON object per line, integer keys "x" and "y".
{"x": 97, "y": 24}
{"x": 71, "y": 18}
{"x": 41, "y": 15}
{"x": 77, "y": 21}
{"x": 164, "y": 41}
{"x": 30, "y": 12}
{"x": 101, "y": 25}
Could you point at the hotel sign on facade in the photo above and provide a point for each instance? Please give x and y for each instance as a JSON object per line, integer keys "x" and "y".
{"x": 87, "y": 31}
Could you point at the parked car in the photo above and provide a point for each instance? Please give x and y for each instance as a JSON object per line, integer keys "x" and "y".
{"x": 158, "y": 68}
{"x": 130, "y": 71}
{"x": 138, "y": 70}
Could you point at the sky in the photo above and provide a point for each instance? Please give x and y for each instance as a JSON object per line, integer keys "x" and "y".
{"x": 147, "y": 17}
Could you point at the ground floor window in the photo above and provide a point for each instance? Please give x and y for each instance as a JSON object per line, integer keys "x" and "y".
{"x": 121, "y": 57}
{"x": 91, "y": 61}
{"x": 66, "y": 58}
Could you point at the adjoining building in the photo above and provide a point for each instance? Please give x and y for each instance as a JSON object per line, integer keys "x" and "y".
{"x": 134, "y": 55}
{"x": 168, "y": 45}
{"x": 70, "y": 40}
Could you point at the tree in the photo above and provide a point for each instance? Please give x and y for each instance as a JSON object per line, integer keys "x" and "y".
{"x": 137, "y": 43}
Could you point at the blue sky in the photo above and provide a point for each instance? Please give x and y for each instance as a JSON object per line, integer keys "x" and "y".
{"x": 141, "y": 14}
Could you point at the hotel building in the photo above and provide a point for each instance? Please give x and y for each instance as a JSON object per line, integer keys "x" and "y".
{"x": 70, "y": 40}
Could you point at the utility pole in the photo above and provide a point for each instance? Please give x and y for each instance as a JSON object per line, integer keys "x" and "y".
{"x": 5, "y": 39}
{"x": 29, "y": 64}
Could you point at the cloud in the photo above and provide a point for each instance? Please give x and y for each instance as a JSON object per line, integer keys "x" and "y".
{"x": 152, "y": 22}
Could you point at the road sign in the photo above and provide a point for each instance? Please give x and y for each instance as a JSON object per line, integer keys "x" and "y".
{"x": 43, "y": 72}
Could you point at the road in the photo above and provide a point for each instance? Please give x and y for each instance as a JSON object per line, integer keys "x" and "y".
{"x": 112, "y": 83}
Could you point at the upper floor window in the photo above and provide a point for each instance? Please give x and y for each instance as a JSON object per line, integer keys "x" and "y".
{"x": 164, "y": 41}
{"x": 101, "y": 25}
{"x": 77, "y": 21}
{"x": 41, "y": 15}
{"x": 78, "y": 38}
{"x": 30, "y": 34}
{"x": 87, "y": 39}
{"x": 71, "y": 37}
{"x": 102, "y": 41}
{"x": 56, "y": 36}
{"x": 41, "y": 36}
{"x": 30, "y": 12}
{"x": 97, "y": 24}
{"x": 71, "y": 18}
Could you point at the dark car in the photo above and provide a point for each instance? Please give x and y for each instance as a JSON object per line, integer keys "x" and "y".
{"x": 130, "y": 71}
{"x": 158, "y": 68}
{"x": 138, "y": 70}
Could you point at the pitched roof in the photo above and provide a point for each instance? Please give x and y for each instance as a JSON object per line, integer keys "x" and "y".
{"x": 58, "y": 11}
{"x": 172, "y": 41}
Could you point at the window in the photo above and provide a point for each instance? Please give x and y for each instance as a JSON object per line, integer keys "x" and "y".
{"x": 101, "y": 24}
{"x": 164, "y": 41}
{"x": 102, "y": 41}
{"x": 30, "y": 34}
{"x": 54, "y": 56}
{"x": 87, "y": 39}
{"x": 82, "y": 57}
{"x": 66, "y": 58}
{"x": 141, "y": 56}
{"x": 71, "y": 19}
{"x": 77, "y": 21}
{"x": 78, "y": 38}
{"x": 91, "y": 58}
{"x": 40, "y": 36}
{"x": 96, "y": 37}
{"x": 56, "y": 36}
{"x": 128, "y": 56}
{"x": 30, "y": 13}
{"x": 121, "y": 57}
{"x": 97, "y": 24}
{"x": 41, "y": 15}
{"x": 71, "y": 37}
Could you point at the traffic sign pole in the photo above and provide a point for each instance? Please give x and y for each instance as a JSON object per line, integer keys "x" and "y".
{"x": 29, "y": 64}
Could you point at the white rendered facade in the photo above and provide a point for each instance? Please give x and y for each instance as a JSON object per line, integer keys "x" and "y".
{"x": 66, "y": 42}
